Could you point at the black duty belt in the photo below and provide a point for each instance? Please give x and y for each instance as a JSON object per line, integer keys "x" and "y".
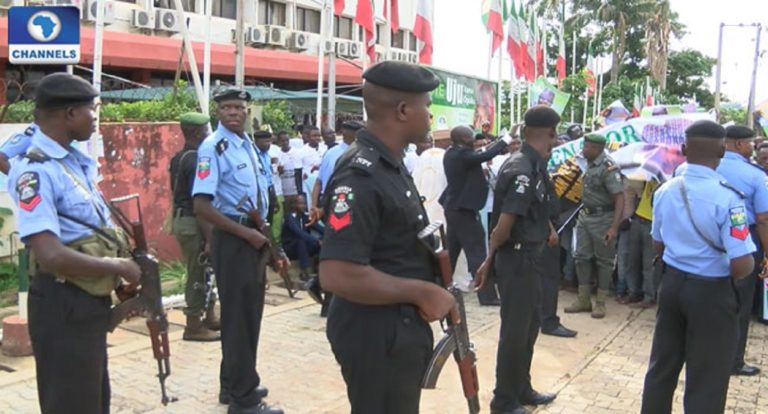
{"x": 597, "y": 210}
{"x": 641, "y": 219}
{"x": 243, "y": 220}
{"x": 524, "y": 245}
{"x": 691, "y": 276}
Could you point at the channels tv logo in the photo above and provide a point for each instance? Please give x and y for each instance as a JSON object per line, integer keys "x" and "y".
{"x": 44, "y": 35}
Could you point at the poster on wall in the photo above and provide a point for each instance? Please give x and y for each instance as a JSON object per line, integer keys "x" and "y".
{"x": 463, "y": 100}
{"x": 542, "y": 92}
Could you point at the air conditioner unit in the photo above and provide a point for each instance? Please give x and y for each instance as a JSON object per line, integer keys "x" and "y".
{"x": 143, "y": 19}
{"x": 89, "y": 12}
{"x": 355, "y": 50}
{"x": 300, "y": 41}
{"x": 75, "y": 3}
{"x": 328, "y": 46}
{"x": 278, "y": 36}
{"x": 342, "y": 48}
{"x": 7, "y": 4}
{"x": 255, "y": 35}
{"x": 166, "y": 20}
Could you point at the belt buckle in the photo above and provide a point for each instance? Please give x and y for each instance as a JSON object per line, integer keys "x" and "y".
{"x": 59, "y": 279}
{"x": 517, "y": 246}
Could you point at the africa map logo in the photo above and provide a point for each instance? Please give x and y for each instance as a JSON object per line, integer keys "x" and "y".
{"x": 44, "y": 26}
{"x": 44, "y": 35}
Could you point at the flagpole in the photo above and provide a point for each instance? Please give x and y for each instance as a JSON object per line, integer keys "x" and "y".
{"x": 331, "y": 70}
{"x": 321, "y": 64}
{"x": 490, "y": 57}
{"x": 573, "y": 67}
{"x": 600, "y": 88}
{"x": 512, "y": 113}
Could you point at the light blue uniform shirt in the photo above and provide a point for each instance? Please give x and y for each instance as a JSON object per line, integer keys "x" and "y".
{"x": 228, "y": 169}
{"x": 747, "y": 178}
{"x": 41, "y": 190}
{"x": 18, "y": 143}
{"x": 719, "y": 213}
{"x": 265, "y": 160}
{"x": 329, "y": 163}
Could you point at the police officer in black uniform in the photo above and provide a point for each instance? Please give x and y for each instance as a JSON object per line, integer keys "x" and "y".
{"x": 381, "y": 277}
{"x": 64, "y": 220}
{"x": 521, "y": 213}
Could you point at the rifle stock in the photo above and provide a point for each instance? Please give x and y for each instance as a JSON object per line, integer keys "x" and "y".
{"x": 456, "y": 338}
{"x": 149, "y": 299}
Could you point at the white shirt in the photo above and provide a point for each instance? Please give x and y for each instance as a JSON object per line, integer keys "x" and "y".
{"x": 494, "y": 166}
{"x": 410, "y": 158}
{"x": 274, "y": 155}
{"x": 311, "y": 157}
{"x": 290, "y": 161}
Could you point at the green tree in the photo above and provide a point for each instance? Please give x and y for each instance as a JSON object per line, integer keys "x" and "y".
{"x": 277, "y": 115}
{"x": 662, "y": 23}
{"x": 686, "y": 74}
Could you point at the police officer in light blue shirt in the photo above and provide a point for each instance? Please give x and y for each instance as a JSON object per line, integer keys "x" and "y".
{"x": 15, "y": 145}
{"x": 348, "y": 134}
{"x": 59, "y": 212}
{"x": 230, "y": 181}
{"x": 700, "y": 225}
{"x": 751, "y": 180}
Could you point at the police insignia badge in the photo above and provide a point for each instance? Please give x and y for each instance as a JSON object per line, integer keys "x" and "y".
{"x": 738, "y": 218}
{"x": 28, "y": 189}
{"x": 341, "y": 216}
{"x": 522, "y": 182}
{"x": 203, "y": 167}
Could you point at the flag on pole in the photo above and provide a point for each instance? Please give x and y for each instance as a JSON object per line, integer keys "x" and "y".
{"x": 338, "y": 7}
{"x": 533, "y": 48}
{"x": 560, "y": 64}
{"x": 513, "y": 44}
{"x": 422, "y": 29}
{"x": 589, "y": 72}
{"x": 525, "y": 60}
{"x": 364, "y": 17}
{"x": 492, "y": 19}
{"x": 394, "y": 16}
{"x": 542, "y": 56}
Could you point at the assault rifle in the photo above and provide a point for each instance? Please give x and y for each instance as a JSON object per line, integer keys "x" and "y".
{"x": 456, "y": 338}
{"x": 276, "y": 253}
{"x": 149, "y": 299}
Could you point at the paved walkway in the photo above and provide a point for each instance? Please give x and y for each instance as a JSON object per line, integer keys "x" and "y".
{"x": 600, "y": 371}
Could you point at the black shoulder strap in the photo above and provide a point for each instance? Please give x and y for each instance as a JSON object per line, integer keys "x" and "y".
{"x": 96, "y": 229}
{"x": 34, "y": 154}
{"x": 684, "y": 194}
{"x": 738, "y": 192}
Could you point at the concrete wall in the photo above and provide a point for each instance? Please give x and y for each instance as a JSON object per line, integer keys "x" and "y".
{"x": 136, "y": 160}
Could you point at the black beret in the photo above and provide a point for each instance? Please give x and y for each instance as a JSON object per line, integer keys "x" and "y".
{"x": 705, "y": 129}
{"x": 231, "y": 94}
{"x": 541, "y": 116}
{"x": 352, "y": 125}
{"x": 402, "y": 76}
{"x": 261, "y": 134}
{"x": 62, "y": 89}
{"x": 739, "y": 132}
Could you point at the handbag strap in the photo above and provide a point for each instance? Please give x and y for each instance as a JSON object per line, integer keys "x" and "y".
{"x": 684, "y": 193}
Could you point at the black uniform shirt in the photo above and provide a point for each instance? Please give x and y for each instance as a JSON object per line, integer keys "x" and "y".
{"x": 374, "y": 213}
{"x": 183, "y": 166}
{"x": 524, "y": 189}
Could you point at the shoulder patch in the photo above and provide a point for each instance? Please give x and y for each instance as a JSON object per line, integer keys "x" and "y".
{"x": 732, "y": 188}
{"x": 364, "y": 161}
{"x": 222, "y": 146}
{"x": 342, "y": 199}
{"x": 738, "y": 221}
{"x": 28, "y": 189}
{"x": 522, "y": 182}
{"x": 29, "y": 131}
{"x": 203, "y": 167}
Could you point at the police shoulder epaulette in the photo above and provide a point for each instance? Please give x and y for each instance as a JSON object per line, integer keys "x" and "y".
{"x": 364, "y": 161}
{"x": 732, "y": 188}
{"x": 761, "y": 169}
{"x": 34, "y": 154}
{"x": 29, "y": 131}
{"x": 222, "y": 146}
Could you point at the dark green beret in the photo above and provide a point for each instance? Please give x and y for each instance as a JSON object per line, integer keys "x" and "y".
{"x": 62, "y": 89}
{"x": 261, "y": 134}
{"x": 402, "y": 76}
{"x": 194, "y": 118}
{"x": 595, "y": 138}
{"x": 352, "y": 125}
{"x": 739, "y": 132}
{"x": 705, "y": 129}
{"x": 232, "y": 94}
{"x": 541, "y": 116}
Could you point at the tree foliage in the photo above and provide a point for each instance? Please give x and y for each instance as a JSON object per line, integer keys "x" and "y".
{"x": 278, "y": 116}
{"x": 687, "y": 72}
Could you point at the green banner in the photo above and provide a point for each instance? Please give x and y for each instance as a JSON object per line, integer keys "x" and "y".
{"x": 542, "y": 92}
{"x": 463, "y": 100}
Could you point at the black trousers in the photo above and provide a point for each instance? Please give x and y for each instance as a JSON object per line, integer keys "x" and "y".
{"x": 745, "y": 289}
{"x": 550, "y": 288}
{"x": 383, "y": 352}
{"x": 465, "y": 232}
{"x": 68, "y": 329}
{"x": 241, "y": 279}
{"x": 518, "y": 274}
{"x": 695, "y": 326}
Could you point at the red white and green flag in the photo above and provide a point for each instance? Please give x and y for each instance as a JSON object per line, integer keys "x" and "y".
{"x": 533, "y": 47}
{"x": 392, "y": 13}
{"x": 365, "y": 18}
{"x": 525, "y": 60}
{"x": 541, "y": 56}
{"x": 513, "y": 44}
{"x": 589, "y": 72}
{"x": 560, "y": 63}
{"x": 338, "y": 7}
{"x": 493, "y": 21}
{"x": 422, "y": 29}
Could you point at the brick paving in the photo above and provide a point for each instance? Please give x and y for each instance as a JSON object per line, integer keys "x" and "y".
{"x": 600, "y": 371}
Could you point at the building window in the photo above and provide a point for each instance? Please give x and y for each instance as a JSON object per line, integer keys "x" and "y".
{"x": 379, "y": 32}
{"x": 187, "y": 5}
{"x": 307, "y": 20}
{"x": 398, "y": 39}
{"x": 413, "y": 44}
{"x": 225, "y": 8}
{"x": 271, "y": 13}
{"x": 342, "y": 27}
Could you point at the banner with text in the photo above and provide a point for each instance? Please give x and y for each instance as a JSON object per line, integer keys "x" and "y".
{"x": 542, "y": 92}
{"x": 463, "y": 100}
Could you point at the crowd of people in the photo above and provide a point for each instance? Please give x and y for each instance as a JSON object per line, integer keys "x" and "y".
{"x": 349, "y": 213}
